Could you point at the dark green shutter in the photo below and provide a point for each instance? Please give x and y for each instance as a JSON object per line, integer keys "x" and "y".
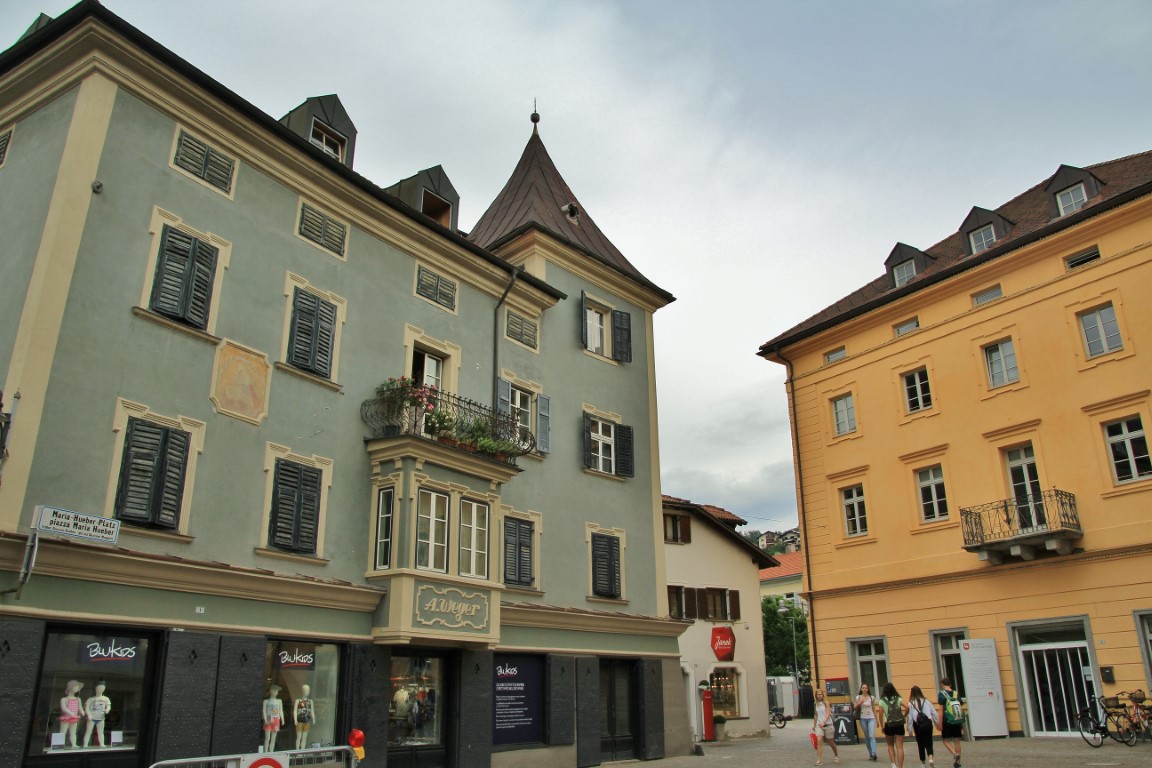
{"x": 605, "y": 566}
{"x": 313, "y": 333}
{"x": 204, "y": 162}
{"x": 185, "y": 270}
{"x": 325, "y": 338}
{"x": 311, "y": 223}
{"x": 543, "y": 424}
{"x": 171, "y": 493}
{"x": 5, "y": 138}
{"x": 426, "y": 283}
{"x": 625, "y": 464}
{"x": 200, "y": 285}
{"x": 583, "y": 320}
{"x": 589, "y": 457}
{"x": 295, "y": 507}
{"x": 518, "y": 552}
{"x": 621, "y": 336}
{"x": 151, "y": 488}
{"x": 218, "y": 170}
{"x": 504, "y": 397}
{"x": 446, "y": 292}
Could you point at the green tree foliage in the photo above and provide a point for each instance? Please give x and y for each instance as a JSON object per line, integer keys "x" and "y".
{"x": 780, "y": 618}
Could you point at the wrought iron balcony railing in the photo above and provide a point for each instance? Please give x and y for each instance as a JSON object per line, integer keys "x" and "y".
{"x": 448, "y": 418}
{"x": 1050, "y": 514}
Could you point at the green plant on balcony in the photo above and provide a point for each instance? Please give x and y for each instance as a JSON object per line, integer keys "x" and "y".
{"x": 396, "y": 394}
{"x": 438, "y": 421}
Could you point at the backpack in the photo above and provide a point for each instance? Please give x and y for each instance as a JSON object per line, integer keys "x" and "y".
{"x": 953, "y": 709}
{"x": 893, "y": 715}
{"x": 921, "y": 721}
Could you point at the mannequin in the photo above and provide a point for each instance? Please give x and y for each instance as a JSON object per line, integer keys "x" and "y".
{"x": 273, "y": 717}
{"x": 70, "y": 710}
{"x": 303, "y": 714}
{"x": 96, "y": 709}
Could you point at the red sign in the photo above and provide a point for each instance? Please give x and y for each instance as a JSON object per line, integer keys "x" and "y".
{"x": 723, "y": 643}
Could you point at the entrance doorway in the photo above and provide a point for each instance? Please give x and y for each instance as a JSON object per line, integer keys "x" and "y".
{"x": 1056, "y": 668}
{"x": 618, "y": 711}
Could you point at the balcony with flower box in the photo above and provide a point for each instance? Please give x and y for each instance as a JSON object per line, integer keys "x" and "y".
{"x": 1022, "y": 527}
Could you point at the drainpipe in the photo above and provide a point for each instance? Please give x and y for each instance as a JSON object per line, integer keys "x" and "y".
{"x": 496, "y": 339}
{"x": 815, "y": 657}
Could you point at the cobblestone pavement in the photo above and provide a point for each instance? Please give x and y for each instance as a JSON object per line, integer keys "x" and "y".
{"x": 790, "y": 748}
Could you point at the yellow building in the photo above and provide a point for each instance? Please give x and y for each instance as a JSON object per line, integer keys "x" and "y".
{"x": 974, "y": 482}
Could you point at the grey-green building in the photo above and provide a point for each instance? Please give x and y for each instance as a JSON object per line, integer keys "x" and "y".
{"x": 285, "y": 453}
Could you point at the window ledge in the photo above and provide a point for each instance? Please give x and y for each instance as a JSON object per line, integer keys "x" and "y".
{"x": 923, "y": 413}
{"x": 1132, "y": 486}
{"x": 151, "y": 533}
{"x": 605, "y": 475}
{"x": 935, "y": 525}
{"x": 290, "y": 556}
{"x": 524, "y": 590}
{"x": 856, "y": 541}
{"x": 846, "y": 437}
{"x": 608, "y": 600}
{"x": 196, "y": 333}
{"x": 282, "y": 366}
{"x": 1004, "y": 388}
{"x": 601, "y": 358}
{"x": 1088, "y": 363}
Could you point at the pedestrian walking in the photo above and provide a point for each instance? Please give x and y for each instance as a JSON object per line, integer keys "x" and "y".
{"x": 824, "y": 730}
{"x": 953, "y": 729}
{"x": 895, "y": 711}
{"x": 922, "y": 717}
{"x": 865, "y": 706}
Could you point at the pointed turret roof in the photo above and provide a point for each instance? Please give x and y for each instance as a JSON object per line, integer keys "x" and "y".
{"x": 536, "y": 196}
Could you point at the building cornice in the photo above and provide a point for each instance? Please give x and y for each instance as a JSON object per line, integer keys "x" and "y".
{"x": 574, "y": 620}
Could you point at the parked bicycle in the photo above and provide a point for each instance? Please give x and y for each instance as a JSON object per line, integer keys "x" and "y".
{"x": 1105, "y": 717}
{"x": 778, "y": 718}
{"x": 1139, "y": 713}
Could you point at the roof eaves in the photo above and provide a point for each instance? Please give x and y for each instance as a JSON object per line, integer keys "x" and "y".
{"x": 786, "y": 339}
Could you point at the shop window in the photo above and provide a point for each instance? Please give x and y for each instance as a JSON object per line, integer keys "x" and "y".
{"x": 725, "y": 691}
{"x": 92, "y": 695}
{"x": 415, "y": 702}
{"x": 301, "y": 695}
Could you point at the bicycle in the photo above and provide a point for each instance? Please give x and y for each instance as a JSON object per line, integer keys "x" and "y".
{"x": 778, "y": 718}
{"x": 1139, "y": 713}
{"x": 1102, "y": 718}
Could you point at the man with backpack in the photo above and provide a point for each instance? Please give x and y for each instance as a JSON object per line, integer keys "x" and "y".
{"x": 953, "y": 728}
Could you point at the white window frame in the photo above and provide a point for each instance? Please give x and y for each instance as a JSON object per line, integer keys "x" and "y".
{"x": 853, "y": 505}
{"x": 872, "y": 652}
{"x": 917, "y": 390}
{"x": 932, "y": 494}
{"x": 1100, "y": 331}
{"x": 329, "y": 140}
{"x": 604, "y": 445}
{"x": 596, "y": 319}
{"x": 982, "y": 239}
{"x": 844, "y": 415}
{"x": 903, "y": 272}
{"x": 432, "y": 517}
{"x": 385, "y": 527}
{"x": 909, "y": 325}
{"x": 474, "y": 549}
{"x": 833, "y": 355}
{"x": 1127, "y": 446}
{"x": 521, "y": 406}
{"x": 1000, "y": 363}
{"x": 1068, "y": 201}
{"x": 988, "y": 294}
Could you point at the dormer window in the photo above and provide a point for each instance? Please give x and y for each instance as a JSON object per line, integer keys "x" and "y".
{"x": 982, "y": 239}
{"x": 436, "y": 208}
{"x": 903, "y": 272}
{"x": 1071, "y": 200}
{"x": 328, "y": 140}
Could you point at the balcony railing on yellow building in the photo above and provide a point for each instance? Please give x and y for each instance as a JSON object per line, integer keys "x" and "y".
{"x": 1018, "y": 526}
{"x": 408, "y": 410}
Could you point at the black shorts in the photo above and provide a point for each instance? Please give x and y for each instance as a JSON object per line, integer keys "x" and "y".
{"x": 894, "y": 729}
{"x": 952, "y": 731}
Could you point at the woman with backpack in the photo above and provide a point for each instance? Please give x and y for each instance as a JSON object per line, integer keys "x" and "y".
{"x": 895, "y": 711}
{"x": 823, "y": 729}
{"x": 922, "y": 716}
{"x": 865, "y": 707}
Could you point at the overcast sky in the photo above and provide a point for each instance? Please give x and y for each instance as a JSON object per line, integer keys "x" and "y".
{"x": 758, "y": 160}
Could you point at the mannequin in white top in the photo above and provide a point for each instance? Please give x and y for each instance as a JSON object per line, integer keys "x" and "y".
{"x": 96, "y": 708}
{"x": 303, "y": 715}
{"x": 273, "y": 717}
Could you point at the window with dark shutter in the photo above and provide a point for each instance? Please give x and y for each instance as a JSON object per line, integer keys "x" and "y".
{"x": 621, "y": 336}
{"x": 543, "y": 424}
{"x": 310, "y": 346}
{"x": 185, "y": 272}
{"x": 518, "y": 552}
{"x": 204, "y": 162}
{"x": 295, "y": 516}
{"x": 734, "y": 604}
{"x": 625, "y": 464}
{"x": 322, "y": 229}
{"x": 5, "y": 140}
{"x": 436, "y": 288}
{"x": 521, "y": 329}
{"x": 608, "y": 447}
{"x": 605, "y": 566}
{"x": 151, "y": 487}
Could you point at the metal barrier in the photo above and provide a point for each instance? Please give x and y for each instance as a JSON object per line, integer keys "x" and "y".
{"x": 323, "y": 757}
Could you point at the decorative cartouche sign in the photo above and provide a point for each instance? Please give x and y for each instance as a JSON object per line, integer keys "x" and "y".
{"x": 451, "y": 607}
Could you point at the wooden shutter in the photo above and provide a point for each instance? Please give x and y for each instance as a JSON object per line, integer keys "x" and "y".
{"x": 589, "y": 459}
{"x": 625, "y": 464}
{"x": 543, "y": 424}
{"x": 202, "y": 271}
{"x": 685, "y": 529}
{"x": 191, "y": 155}
{"x": 172, "y": 268}
{"x": 621, "y": 336}
{"x": 5, "y": 138}
{"x": 734, "y": 604}
{"x": 313, "y": 333}
{"x": 151, "y": 487}
{"x": 218, "y": 170}
{"x": 518, "y": 552}
{"x": 583, "y": 320}
{"x": 504, "y": 397}
{"x": 295, "y": 513}
{"x": 605, "y": 566}
{"x": 171, "y": 494}
{"x": 446, "y": 292}
{"x": 426, "y": 283}
{"x": 325, "y": 338}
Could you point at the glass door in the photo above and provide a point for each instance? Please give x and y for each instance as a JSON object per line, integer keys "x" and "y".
{"x": 1026, "y": 489}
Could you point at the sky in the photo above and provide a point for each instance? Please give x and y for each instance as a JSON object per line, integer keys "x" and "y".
{"x": 757, "y": 159}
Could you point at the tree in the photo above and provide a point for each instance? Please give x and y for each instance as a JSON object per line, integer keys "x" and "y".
{"x": 780, "y": 619}
{"x": 752, "y": 535}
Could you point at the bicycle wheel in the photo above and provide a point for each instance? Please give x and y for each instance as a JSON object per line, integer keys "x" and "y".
{"x": 1120, "y": 728}
{"x": 1090, "y": 730}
